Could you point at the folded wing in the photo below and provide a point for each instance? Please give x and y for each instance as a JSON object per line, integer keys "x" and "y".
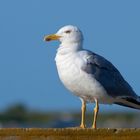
{"x": 110, "y": 78}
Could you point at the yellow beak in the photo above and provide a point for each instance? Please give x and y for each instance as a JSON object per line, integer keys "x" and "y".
{"x": 51, "y": 37}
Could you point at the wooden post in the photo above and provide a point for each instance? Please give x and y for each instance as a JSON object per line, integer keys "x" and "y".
{"x": 68, "y": 134}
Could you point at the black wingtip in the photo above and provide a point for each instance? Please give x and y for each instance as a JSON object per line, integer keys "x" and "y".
{"x": 130, "y": 102}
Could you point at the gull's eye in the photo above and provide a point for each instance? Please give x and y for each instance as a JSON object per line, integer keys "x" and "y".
{"x": 68, "y": 31}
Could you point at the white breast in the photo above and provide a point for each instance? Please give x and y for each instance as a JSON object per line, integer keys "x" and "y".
{"x": 79, "y": 82}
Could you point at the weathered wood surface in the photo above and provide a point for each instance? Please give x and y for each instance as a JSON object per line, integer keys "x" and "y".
{"x": 68, "y": 134}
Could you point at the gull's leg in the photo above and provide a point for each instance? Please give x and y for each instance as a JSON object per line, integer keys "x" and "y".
{"x": 83, "y": 108}
{"x": 96, "y": 109}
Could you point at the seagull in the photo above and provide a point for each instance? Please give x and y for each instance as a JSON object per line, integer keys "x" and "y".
{"x": 88, "y": 75}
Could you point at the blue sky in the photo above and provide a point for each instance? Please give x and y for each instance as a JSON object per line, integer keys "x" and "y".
{"x": 27, "y": 67}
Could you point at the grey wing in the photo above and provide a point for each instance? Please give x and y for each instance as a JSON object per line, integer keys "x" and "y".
{"x": 109, "y": 77}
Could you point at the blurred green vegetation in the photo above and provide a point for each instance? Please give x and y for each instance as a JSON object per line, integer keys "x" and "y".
{"x": 20, "y": 114}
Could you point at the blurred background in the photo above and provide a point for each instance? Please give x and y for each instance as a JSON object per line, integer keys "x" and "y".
{"x": 31, "y": 94}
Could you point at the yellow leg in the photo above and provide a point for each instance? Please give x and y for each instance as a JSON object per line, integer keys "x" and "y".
{"x": 96, "y": 109}
{"x": 83, "y": 108}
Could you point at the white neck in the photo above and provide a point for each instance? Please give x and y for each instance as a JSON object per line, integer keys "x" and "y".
{"x": 68, "y": 47}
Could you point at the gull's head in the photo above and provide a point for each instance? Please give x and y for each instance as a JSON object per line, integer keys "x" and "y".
{"x": 67, "y": 34}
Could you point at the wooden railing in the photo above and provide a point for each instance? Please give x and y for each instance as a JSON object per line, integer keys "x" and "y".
{"x": 68, "y": 134}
